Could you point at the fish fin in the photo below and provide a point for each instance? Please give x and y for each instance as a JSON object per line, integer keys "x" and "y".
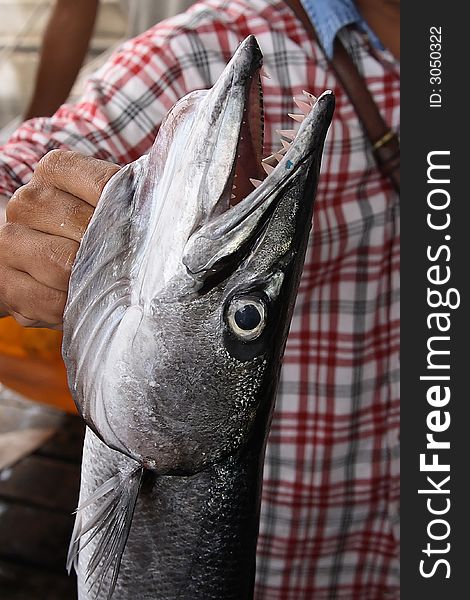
{"x": 74, "y": 546}
{"x": 112, "y": 522}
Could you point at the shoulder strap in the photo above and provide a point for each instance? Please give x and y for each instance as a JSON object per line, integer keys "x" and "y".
{"x": 385, "y": 143}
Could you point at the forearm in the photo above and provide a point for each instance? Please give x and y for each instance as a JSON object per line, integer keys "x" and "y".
{"x": 80, "y": 128}
{"x": 64, "y": 47}
{"x": 114, "y": 120}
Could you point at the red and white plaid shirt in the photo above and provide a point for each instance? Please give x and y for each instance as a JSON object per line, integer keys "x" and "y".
{"x": 330, "y": 495}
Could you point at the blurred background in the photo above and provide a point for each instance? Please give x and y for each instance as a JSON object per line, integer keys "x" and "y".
{"x": 40, "y": 433}
{"x": 22, "y": 24}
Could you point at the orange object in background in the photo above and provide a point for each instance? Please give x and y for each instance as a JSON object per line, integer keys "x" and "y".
{"x": 31, "y": 364}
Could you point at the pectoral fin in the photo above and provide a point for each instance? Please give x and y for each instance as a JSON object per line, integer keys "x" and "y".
{"x": 115, "y": 502}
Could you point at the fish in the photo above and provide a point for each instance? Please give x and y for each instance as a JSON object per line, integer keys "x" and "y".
{"x": 178, "y": 312}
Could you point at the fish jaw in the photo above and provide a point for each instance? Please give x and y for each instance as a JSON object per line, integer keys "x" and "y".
{"x": 226, "y": 241}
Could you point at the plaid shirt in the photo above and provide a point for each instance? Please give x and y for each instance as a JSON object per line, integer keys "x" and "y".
{"x": 330, "y": 495}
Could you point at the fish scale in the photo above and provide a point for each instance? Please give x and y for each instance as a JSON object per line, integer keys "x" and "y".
{"x": 210, "y": 511}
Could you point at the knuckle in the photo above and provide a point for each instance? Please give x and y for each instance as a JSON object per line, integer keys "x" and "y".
{"x": 21, "y": 203}
{"x": 100, "y": 172}
{"x": 13, "y": 208}
{"x": 47, "y": 162}
{"x": 51, "y": 162}
{"x": 103, "y": 175}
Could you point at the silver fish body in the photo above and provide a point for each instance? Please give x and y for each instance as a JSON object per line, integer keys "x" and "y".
{"x": 177, "y": 317}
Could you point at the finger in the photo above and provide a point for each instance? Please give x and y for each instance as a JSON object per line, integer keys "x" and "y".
{"x": 24, "y": 322}
{"x": 47, "y": 258}
{"x": 27, "y": 298}
{"x": 81, "y": 176}
{"x": 49, "y": 210}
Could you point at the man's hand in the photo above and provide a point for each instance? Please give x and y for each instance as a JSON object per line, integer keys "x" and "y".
{"x": 46, "y": 220}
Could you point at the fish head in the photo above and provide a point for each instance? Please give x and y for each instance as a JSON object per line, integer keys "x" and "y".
{"x": 188, "y": 345}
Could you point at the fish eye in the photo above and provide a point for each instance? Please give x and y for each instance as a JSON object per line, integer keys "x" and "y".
{"x": 246, "y": 317}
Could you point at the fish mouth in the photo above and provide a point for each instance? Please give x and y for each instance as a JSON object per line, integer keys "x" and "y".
{"x": 239, "y": 97}
{"x": 247, "y": 163}
{"x": 257, "y": 187}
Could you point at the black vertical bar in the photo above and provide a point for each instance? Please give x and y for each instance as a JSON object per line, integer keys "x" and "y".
{"x": 434, "y": 114}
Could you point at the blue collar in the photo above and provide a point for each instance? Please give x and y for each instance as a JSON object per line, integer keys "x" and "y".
{"x": 329, "y": 16}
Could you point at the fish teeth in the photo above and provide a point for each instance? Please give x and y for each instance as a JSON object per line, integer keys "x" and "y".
{"x": 256, "y": 182}
{"x": 298, "y": 118}
{"x": 268, "y": 168}
{"x": 287, "y": 133}
{"x": 310, "y": 96}
{"x": 274, "y": 156}
{"x": 278, "y": 156}
{"x": 304, "y": 106}
{"x": 286, "y": 145}
{"x": 232, "y": 196}
{"x": 264, "y": 73}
